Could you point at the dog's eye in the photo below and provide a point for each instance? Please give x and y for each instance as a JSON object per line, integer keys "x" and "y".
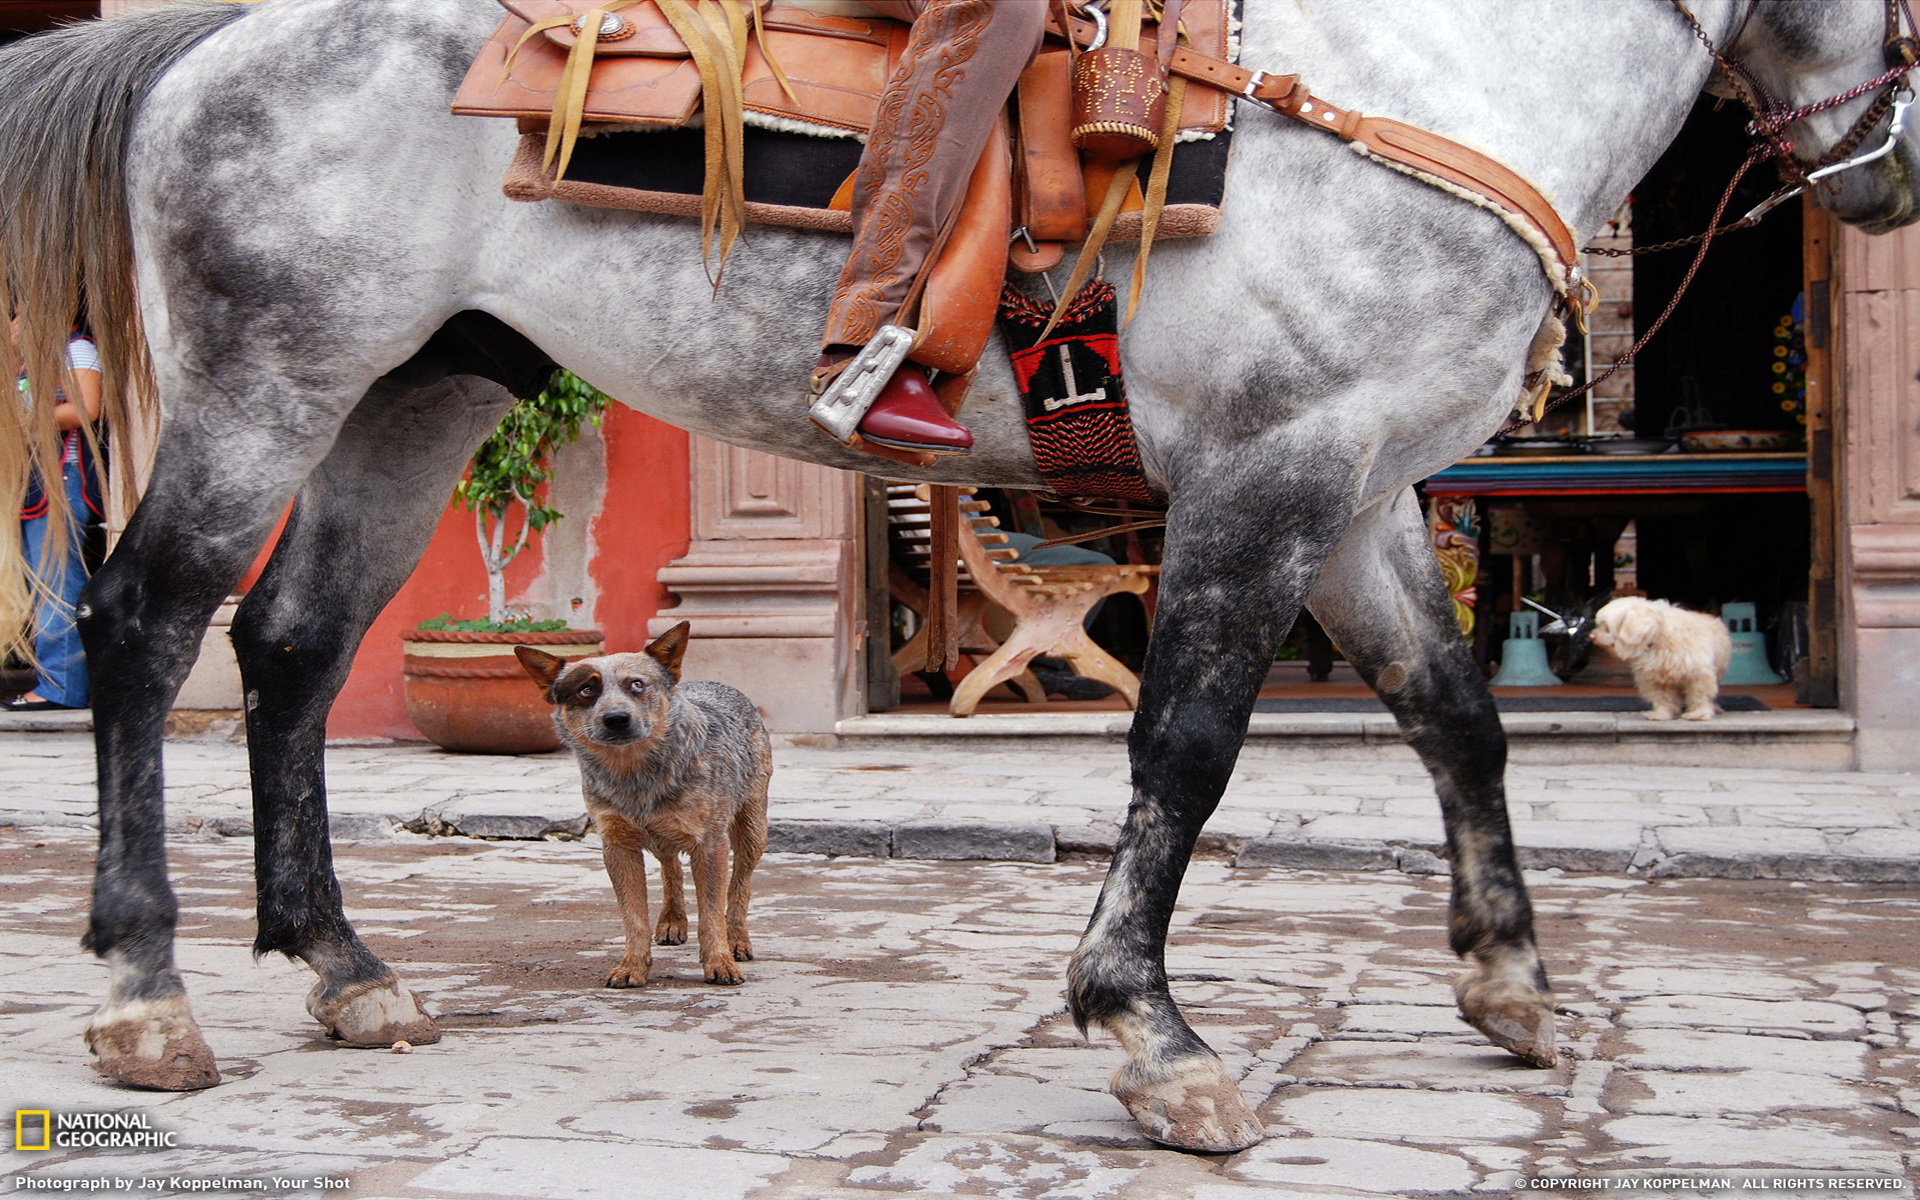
{"x": 588, "y": 691}
{"x": 636, "y": 686}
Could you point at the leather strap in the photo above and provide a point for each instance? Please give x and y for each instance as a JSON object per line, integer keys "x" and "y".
{"x": 1054, "y": 205}
{"x": 1395, "y": 141}
{"x": 1169, "y": 28}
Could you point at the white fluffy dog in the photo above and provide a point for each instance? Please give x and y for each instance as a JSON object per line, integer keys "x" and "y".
{"x": 1677, "y": 656}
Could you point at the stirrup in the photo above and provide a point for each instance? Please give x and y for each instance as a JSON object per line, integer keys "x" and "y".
{"x": 844, "y": 404}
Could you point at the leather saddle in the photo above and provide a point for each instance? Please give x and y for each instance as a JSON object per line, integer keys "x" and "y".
{"x": 819, "y": 68}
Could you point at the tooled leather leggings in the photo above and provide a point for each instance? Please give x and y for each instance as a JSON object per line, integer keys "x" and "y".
{"x": 960, "y": 65}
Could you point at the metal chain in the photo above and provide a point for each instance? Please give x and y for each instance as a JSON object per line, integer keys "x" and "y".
{"x": 1675, "y": 244}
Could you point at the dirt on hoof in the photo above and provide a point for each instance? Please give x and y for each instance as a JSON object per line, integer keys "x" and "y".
{"x": 1519, "y": 1023}
{"x": 152, "y": 1044}
{"x": 375, "y": 1016}
{"x": 1197, "y": 1107}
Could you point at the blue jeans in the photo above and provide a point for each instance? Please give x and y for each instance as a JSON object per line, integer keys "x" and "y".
{"x": 63, "y": 664}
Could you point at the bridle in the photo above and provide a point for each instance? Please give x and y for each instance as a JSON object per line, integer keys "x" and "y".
{"x": 1772, "y": 116}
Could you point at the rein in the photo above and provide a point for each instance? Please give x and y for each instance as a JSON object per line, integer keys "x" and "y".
{"x": 1771, "y": 116}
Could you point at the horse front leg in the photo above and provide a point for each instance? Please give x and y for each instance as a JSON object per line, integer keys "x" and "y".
{"x": 1235, "y": 574}
{"x": 359, "y": 526}
{"x": 1382, "y": 599}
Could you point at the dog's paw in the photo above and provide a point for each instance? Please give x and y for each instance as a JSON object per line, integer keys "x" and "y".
{"x": 742, "y": 947}
{"x": 1697, "y": 714}
{"x": 671, "y": 931}
{"x": 629, "y": 975}
{"x": 1658, "y": 714}
{"x": 724, "y": 972}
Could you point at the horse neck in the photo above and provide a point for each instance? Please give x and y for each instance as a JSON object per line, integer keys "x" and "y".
{"x": 1580, "y": 98}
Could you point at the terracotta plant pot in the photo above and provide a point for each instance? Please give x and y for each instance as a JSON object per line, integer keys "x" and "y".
{"x": 467, "y": 692}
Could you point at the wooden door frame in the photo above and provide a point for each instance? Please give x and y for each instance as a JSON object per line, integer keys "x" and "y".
{"x": 1824, "y": 395}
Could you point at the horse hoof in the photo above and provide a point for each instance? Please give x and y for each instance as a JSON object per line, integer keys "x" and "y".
{"x": 152, "y": 1044}
{"x": 1191, "y": 1105}
{"x": 1518, "y": 1019}
{"x": 374, "y": 1015}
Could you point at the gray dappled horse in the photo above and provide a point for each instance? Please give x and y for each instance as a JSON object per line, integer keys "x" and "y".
{"x": 339, "y": 302}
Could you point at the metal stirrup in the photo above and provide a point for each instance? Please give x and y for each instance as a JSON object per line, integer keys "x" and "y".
{"x": 840, "y": 408}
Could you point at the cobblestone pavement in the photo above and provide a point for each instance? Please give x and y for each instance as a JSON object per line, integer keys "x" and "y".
{"x": 1371, "y": 812}
{"x": 903, "y": 1033}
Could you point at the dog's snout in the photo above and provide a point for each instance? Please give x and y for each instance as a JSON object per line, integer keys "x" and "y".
{"x": 617, "y": 722}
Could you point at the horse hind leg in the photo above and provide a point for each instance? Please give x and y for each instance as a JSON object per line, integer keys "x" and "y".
{"x": 140, "y": 619}
{"x": 1382, "y": 599}
{"x": 357, "y": 529}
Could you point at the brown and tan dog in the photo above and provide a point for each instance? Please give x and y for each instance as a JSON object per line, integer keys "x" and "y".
{"x": 671, "y": 768}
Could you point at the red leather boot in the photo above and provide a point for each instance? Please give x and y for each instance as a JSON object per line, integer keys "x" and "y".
{"x": 907, "y": 415}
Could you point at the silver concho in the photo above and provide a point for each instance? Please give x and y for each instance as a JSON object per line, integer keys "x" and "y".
{"x": 611, "y": 26}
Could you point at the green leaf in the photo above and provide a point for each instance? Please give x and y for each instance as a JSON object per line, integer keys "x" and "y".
{"x": 512, "y": 465}
{"x": 446, "y": 621}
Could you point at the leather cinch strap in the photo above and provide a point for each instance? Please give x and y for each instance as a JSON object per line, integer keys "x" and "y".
{"x": 1426, "y": 155}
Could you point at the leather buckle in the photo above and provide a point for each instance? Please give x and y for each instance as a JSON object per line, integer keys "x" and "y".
{"x": 840, "y": 408}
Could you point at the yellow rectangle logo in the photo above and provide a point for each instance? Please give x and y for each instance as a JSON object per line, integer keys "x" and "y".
{"x": 20, "y": 1124}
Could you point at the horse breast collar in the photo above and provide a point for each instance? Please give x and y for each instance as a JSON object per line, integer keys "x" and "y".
{"x": 1484, "y": 181}
{"x": 1441, "y": 162}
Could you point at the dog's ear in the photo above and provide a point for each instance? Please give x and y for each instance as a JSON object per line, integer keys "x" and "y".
{"x": 670, "y": 647}
{"x": 1639, "y": 627}
{"x": 542, "y": 667}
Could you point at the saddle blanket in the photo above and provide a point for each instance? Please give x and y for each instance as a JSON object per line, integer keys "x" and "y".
{"x": 798, "y": 179}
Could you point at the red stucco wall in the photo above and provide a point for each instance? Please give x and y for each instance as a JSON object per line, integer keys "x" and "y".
{"x": 642, "y": 525}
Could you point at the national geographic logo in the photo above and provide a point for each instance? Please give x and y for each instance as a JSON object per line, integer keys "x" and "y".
{"x": 46, "y": 1129}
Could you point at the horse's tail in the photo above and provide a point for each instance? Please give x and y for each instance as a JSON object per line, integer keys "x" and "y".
{"x": 68, "y": 100}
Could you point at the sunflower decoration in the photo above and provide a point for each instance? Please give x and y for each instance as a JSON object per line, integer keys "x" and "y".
{"x": 1789, "y": 364}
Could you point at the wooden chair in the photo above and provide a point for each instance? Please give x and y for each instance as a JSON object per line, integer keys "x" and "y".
{"x": 1049, "y": 605}
{"x": 909, "y": 520}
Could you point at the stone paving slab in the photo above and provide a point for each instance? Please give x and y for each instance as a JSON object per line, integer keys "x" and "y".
{"x": 902, "y": 1033}
{"x": 1041, "y": 800}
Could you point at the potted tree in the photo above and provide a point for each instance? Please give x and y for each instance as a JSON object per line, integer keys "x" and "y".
{"x": 464, "y": 688}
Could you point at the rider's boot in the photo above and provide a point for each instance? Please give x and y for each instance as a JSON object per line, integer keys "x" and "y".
{"x": 907, "y": 415}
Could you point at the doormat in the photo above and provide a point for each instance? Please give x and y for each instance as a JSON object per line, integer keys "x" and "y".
{"x": 1367, "y": 704}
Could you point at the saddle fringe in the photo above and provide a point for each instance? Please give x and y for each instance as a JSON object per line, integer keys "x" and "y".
{"x": 716, "y": 34}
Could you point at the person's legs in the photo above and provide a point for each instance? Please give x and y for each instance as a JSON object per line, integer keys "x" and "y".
{"x": 63, "y": 664}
